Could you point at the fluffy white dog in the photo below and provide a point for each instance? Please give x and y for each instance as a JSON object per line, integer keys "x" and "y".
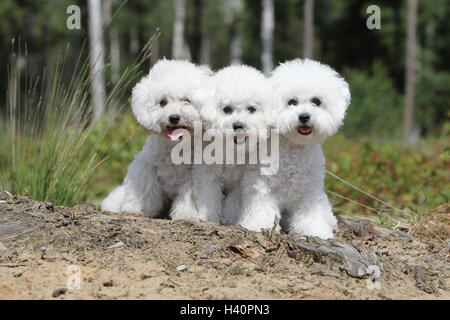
{"x": 170, "y": 98}
{"x": 242, "y": 94}
{"x": 310, "y": 100}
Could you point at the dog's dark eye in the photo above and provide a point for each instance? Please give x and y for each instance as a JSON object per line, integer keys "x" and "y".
{"x": 228, "y": 109}
{"x": 251, "y": 109}
{"x": 316, "y": 101}
{"x": 186, "y": 100}
{"x": 293, "y": 102}
{"x": 163, "y": 102}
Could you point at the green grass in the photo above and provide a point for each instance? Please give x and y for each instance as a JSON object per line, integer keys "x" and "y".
{"x": 119, "y": 146}
{"x": 49, "y": 147}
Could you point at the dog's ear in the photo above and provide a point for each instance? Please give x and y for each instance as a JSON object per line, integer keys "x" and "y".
{"x": 208, "y": 110}
{"x": 344, "y": 90}
{"x": 339, "y": 100}
{"x": 203, "y": 95}
{"x": 209, "y": 114}
{"x": 142, "y": 99}
{"x": 278, "y": 92}
{"x": 271, "y": 109}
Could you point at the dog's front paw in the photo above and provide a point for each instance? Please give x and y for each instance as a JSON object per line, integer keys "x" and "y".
{"x": 323, "y": 231}
{"x": 258, "y": 226}
{"x": 113, "y": 202}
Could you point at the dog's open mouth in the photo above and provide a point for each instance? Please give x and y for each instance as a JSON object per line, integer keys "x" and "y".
{"x": 176, "y": 132}
{"x": 304, "y": 130}
{"x": 240, "y": 138}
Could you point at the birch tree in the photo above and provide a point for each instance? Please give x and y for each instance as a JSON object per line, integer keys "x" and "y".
{"x": 308, "y": 28}
{"x": 178, "y": 49}
{"x": 205, "y": 54}
{"x": 267, "y": 28}
{"x": 410, "y": 75}
{"x": 113, "y": 35}
{"x": 154, "y": 57}
{"x": 197, "y": 36}
{"x": 96, "y": 57}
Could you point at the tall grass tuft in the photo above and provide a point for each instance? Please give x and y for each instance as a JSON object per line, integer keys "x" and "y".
{"x": 45, "y": 149}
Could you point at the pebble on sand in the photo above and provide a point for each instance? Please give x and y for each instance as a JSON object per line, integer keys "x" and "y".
{"x": 108, "y": 283}
{"x": 117, "y": 245}
{"x": 182, "y": 268}
{"x": 59, "y": 292}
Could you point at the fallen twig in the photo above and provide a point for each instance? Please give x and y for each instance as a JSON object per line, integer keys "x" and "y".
{"x": 12, "y": 265}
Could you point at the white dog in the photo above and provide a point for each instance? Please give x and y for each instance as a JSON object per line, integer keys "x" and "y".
{"x": 242, "y": 94}
{"x": 310, "y": 100}
{"x": 170, "y": 97}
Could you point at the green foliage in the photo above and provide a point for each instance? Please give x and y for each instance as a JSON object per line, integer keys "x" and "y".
{"x": 49, "y": 149}
{"x": 123, "y": 139}
{"x": 217, "y": 23}
{"x": 416, "y": 180}
{"x": 376, "y": 108}
{"x": 251, "y": 44}
{"x": 289, "y": 16}
{"x": 432, "y": 99}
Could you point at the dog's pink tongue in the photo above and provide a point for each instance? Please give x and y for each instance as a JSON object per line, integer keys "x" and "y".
{"x": 239, "y": 138}
{"x": 174, "y": 133}
{"x": 305, "y": 129}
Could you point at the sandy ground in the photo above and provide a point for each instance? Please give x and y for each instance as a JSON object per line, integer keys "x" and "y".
{"x": 49, "y": 252}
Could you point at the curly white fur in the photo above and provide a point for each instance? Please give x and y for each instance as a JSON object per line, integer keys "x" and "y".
{"x": 310, "y": 100}
{"x": 153, "y": 181}
{"x": 241, "y": 96}
{"x": 305, "y": 100}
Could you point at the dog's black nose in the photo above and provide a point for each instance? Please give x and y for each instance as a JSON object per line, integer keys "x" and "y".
{"x": 174, "y": 118}
{"x": 238, "y": 125}
{"x": 304, "y": 117}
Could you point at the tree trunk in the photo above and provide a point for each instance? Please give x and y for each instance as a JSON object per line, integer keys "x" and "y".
{"x": 96, "y": 58}
{"x": 205, "y": 56}
{"x": 113, "y": 35}
{"x": 267, "y": 28}
{"x": 115, "y": 54}
{"x": 178, "y": 47}
{"x": 308, "y": 29}
{"x": 154, "y": 57}
{"x": 197, "y": 36}
{"x": 235, "y": 48}
{"x": 410, "y": 76}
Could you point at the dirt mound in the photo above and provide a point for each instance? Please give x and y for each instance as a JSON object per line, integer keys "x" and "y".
{"x": 81, "y": 253}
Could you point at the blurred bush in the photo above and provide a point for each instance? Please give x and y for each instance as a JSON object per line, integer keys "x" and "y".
{"x": 118, "y": 147}
{"x": 417, "y": 180}
{"x": 376, "y": 108}
{"x": 50, "y": 147}
{"x": 432, "y": 100}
